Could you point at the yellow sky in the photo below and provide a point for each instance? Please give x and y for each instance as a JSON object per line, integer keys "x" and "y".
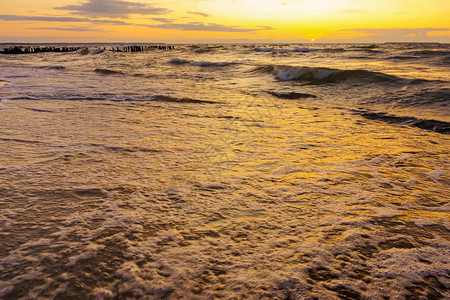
{"x": 224, "y": 20}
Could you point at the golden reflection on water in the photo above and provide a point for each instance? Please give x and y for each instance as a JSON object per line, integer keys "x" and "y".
{"x": 220, "y": 199}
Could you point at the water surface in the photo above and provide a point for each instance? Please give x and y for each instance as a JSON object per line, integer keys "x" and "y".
{"x": 248, "y": 171}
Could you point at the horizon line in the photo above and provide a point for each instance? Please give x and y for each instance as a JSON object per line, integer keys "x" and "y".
{"x": 230, "y": 42}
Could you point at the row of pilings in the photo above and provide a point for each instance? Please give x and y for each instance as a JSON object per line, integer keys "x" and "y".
{"x": 40, "y": 49}
{"x": 141, "y": 48}
{"x": 27, "y": 50}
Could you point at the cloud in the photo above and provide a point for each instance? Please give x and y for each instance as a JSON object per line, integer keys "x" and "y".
{"x": 37, "y": 18}
{"x": 385, "y": 35}
{"x": 114, "y": 8}
{"x": 167, "y": 23}
{"x": 198, "y": 13}
{"x": 394, "y": 32}
{"x": 60, "y": 19}
{"x": 163, "y": 20}
{"x": 197, "y": 26}
{"x": 43, "y": 39}
{"x": 395, "y": 29}
{"x": 81, "y": 28}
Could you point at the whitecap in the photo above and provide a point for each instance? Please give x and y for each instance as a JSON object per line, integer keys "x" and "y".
{"x": 179, "y": 61}
{"x": 436, "y": 174}
{"x": 303, "y": 50}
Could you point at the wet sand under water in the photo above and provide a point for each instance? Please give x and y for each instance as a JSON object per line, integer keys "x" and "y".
{"x": 255, "y": 200}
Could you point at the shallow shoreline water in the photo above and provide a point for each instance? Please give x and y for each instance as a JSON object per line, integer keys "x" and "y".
{"x": 231, "y": 188}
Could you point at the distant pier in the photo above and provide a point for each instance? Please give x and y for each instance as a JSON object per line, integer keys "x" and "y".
{"x": 141, "y": 48}
{"x": 41, "y": 49}
{"x": 29, "y": 49}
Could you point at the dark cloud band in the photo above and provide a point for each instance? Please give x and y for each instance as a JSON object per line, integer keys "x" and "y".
{"x": 114, "y": 8}
{"x": 192, "y": 26}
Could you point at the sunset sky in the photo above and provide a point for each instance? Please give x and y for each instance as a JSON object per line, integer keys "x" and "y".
{"x": 224, "y": 20}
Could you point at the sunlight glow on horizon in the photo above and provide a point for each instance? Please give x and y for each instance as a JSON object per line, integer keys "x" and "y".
{"x": 228, "y": 20}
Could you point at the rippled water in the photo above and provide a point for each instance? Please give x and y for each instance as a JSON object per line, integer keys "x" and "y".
{"x": 232, "y": 171}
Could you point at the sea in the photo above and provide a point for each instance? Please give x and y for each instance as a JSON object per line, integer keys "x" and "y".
{"x": 225, "y": 171}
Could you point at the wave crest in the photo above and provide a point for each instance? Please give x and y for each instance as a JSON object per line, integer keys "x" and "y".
{"x": 291, "y": 95}
{"x": 315, "y": 75}
{"x": 433, "y": 125}
{"x": 419, "y": 96}
{"x": 258, "y": 49}
{"x": 179, "y": 61}
{"x": 114, "y": 98}
{"x": 431, "y": 53}
{"x": 50, "y": 67}
{"x": 107, "y": 71}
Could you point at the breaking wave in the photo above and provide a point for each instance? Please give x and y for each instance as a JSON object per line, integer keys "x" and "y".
{"x": 179, "y": 61}
{"x": 315, "y": 75}
{"x": 430, "y": 53}
{"x": 164, "y": 98}
{"x": 402, "y": 57}
{"x": 291, "y": 95}
{"x": 446, "y": 60}
{"x": 201, "y": 50}
{"x": 107, "y": 71}
{"x": 283, "y": 50}
{"x": 50, "y": 67}
{"x": 159, "y": 98}
{"x": 433, "y": 125}
{"x": 4, "y": 83}
{"x": 416, "y": 97}
{"x": 366, "y": 46}
{"x": 97, "y": 51}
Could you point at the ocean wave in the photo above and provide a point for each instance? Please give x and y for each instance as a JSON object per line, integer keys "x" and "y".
{"x": 75, "y": 98}
{"x": 159, "y": 98}
{"x": 333, "y": 50}
{"x": 446, "y": 60}
{"x": 50, "y": 67}
{"x": 258, "y": 49}
{"x": 23, "y": 98}
{"x": 361, "y": 57}
{"x": 4, "y": 83}
{"x": 209, "y": 64}
{"x": 402, "y": 57}
{"x": 52, "y": 97}
{"x": 107, "y": 71}
{"x": 179, "y": 61}
{"x": 366, "y": 51}
{"x": 16, "y": 76}
{"x": 201, "y": 50}
{"x": 36, "y": 109}
{"x": 430, "y": 53}
{"x": 120, "y": 148}
{"x": 373, "y": 51}
{"x": 97, "y": 51}
{"x": 163, "y": 98}
{"x": 291, "y": 95}
{"x": 83, "y": 51}
{"x": 416, "y": 97}
{"x": 20, "y": 140}
{"x": 316, "y": 75}
{"x": 371, "y": 46}
{"x": 433, "y": 125}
